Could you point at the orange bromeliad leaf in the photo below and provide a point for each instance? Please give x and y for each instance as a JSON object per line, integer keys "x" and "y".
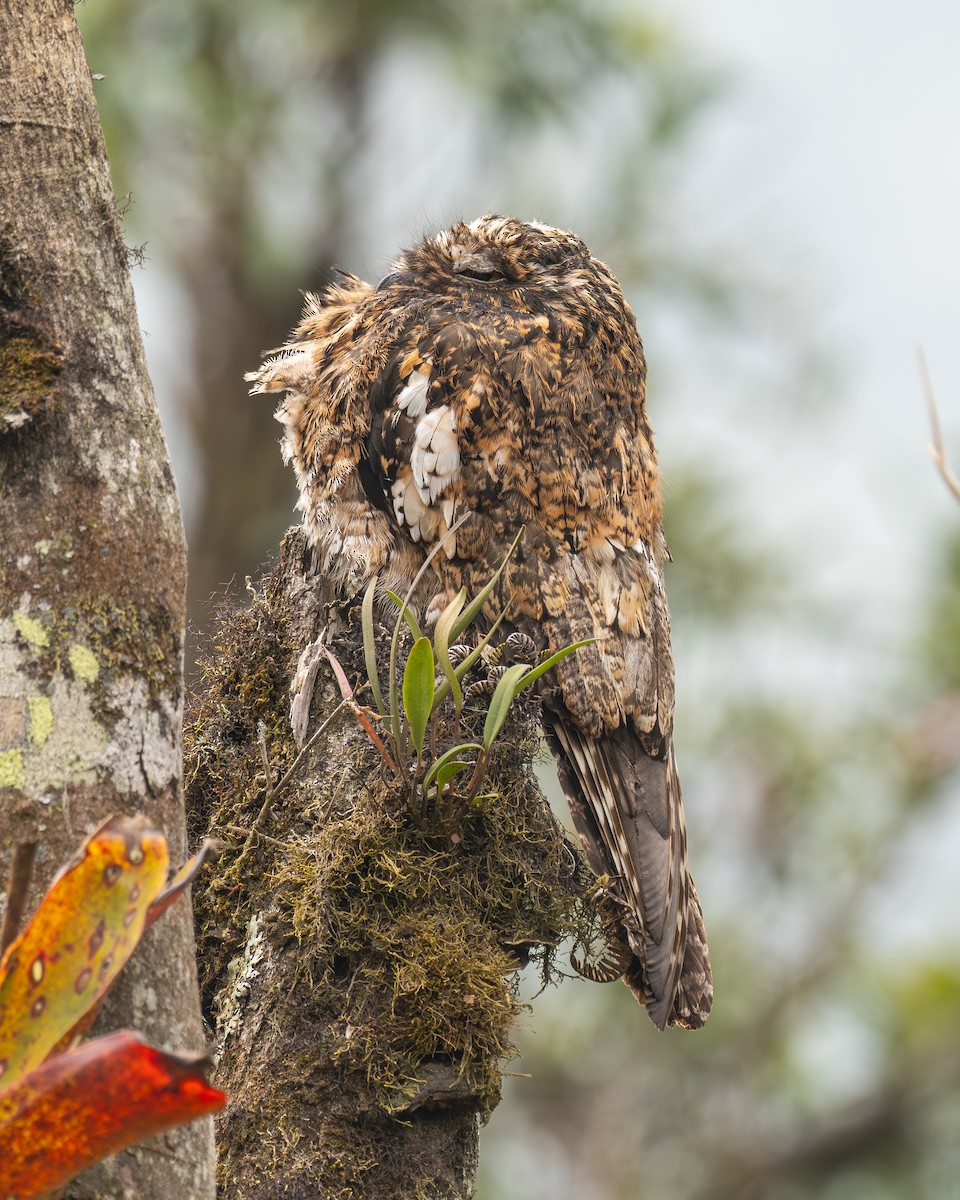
{"x": 85, "y": 929}
{"x": 81, "y": 1106}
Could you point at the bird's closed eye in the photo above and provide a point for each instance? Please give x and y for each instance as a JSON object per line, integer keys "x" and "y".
{"x": 486, "y": 276}
{"x": 479, "y": 265}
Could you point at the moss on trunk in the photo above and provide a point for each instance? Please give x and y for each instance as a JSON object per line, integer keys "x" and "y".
{"x": 360, "y": 965}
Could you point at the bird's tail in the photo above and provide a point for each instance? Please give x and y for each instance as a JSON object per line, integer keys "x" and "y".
{"x": 627, "y": 807}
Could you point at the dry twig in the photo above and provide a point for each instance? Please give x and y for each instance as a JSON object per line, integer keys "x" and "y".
{"x": 938, "y": 450}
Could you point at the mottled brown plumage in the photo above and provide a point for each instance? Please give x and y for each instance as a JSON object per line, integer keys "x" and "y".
{"x": 497, "y": 371}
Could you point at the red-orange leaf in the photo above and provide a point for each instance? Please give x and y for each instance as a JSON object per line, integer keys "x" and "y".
{"x": 81, "y": 1106}
{"x": 85, "y": 929}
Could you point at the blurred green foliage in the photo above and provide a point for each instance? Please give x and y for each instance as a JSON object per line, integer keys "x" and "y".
{"x": 264, "y": 142}
{"x": 941, "y": 636}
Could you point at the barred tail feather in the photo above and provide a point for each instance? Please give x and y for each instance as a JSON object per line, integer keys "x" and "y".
{"x": 626, "y": 805}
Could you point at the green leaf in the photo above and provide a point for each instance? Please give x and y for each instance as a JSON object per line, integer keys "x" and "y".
{"x": 407, "y": 613}
{"x": 472, "y": 610}
{"x": 418, "y": 690}
{"x": 441, "y": 640}
{"x": 445, "y": 760}
{"x": 551, "y": 662}
{"x": 393, "y": 696}
{"x": 447, "y": 772}
{"x": 501, "y": 700}
{"x": 370, "y": 644}
{"x": 443, "y": 691}
{"x": 396, "y": 732}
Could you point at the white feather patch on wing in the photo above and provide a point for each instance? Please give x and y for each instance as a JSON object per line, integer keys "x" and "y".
{"x": 412, "y": 399}
{"x": 421, "y": 520}
{"x": 435, "y": 457}
{"x": 609, "y": 587}
{"x": 407, "y": 505}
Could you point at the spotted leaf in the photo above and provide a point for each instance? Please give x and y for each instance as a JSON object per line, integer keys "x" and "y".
{"x": 85, "y": 929}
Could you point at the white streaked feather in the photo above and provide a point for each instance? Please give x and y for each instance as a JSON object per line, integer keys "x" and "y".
{"x": 448, "y": 458}
{"x": 412, "y": 399}
{"x": 435, "y": 456}
{"x": 641, "y": 548}
{"x": 608, "y": 586}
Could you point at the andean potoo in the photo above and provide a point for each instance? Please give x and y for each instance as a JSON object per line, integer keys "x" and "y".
{"x": 497, "y": 370}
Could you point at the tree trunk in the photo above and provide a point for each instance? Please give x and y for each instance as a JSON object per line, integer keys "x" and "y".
{"x": 358, "y": 956}
{"x": 92, "y": 556}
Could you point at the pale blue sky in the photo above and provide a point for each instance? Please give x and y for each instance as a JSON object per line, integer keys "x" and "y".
{"x": 842, "y": 134}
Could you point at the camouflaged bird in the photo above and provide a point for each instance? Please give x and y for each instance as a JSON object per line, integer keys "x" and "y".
{"x": 497, "y": 371}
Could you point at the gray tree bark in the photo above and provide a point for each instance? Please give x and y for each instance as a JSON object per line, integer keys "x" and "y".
{"x": 358, "y": 956}
{"x": 92, "y": 555}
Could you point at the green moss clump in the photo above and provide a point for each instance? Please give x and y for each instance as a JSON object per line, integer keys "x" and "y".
{"x": 31, "y": 357}
{"x": 242, "y": 690}
{"x": 428, "y": 934}
{"x": 243, "y": 686}
{"x": 409, "y": 939}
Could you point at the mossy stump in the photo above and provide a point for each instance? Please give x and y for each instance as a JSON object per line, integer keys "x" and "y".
{"x": 360, "y": 967}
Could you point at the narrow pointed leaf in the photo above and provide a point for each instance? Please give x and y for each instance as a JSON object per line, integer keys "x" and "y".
{"x": 418, "y": 690}
{"x": 85, "y": 929}
{"x": 407, "y": 613}
{"x": 343, "y": 683}
{"x": 370, "y": 644}
{"x": 448, "y": 770}
{"x": 79, "y": 1107}
{"x": 346, "y": 691}
{"x": 441, "y": 639}
{"x": 501, "y": 700}
{"x": 182, "y": 880}
{"x": 549, "y": 664}
{"x": 392, "y": 685}
{"x": 472, "y": 610}
{"x": 443, "y": 691}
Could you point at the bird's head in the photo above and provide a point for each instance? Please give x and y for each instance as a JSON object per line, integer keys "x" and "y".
{"x": 500, "y": 254}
